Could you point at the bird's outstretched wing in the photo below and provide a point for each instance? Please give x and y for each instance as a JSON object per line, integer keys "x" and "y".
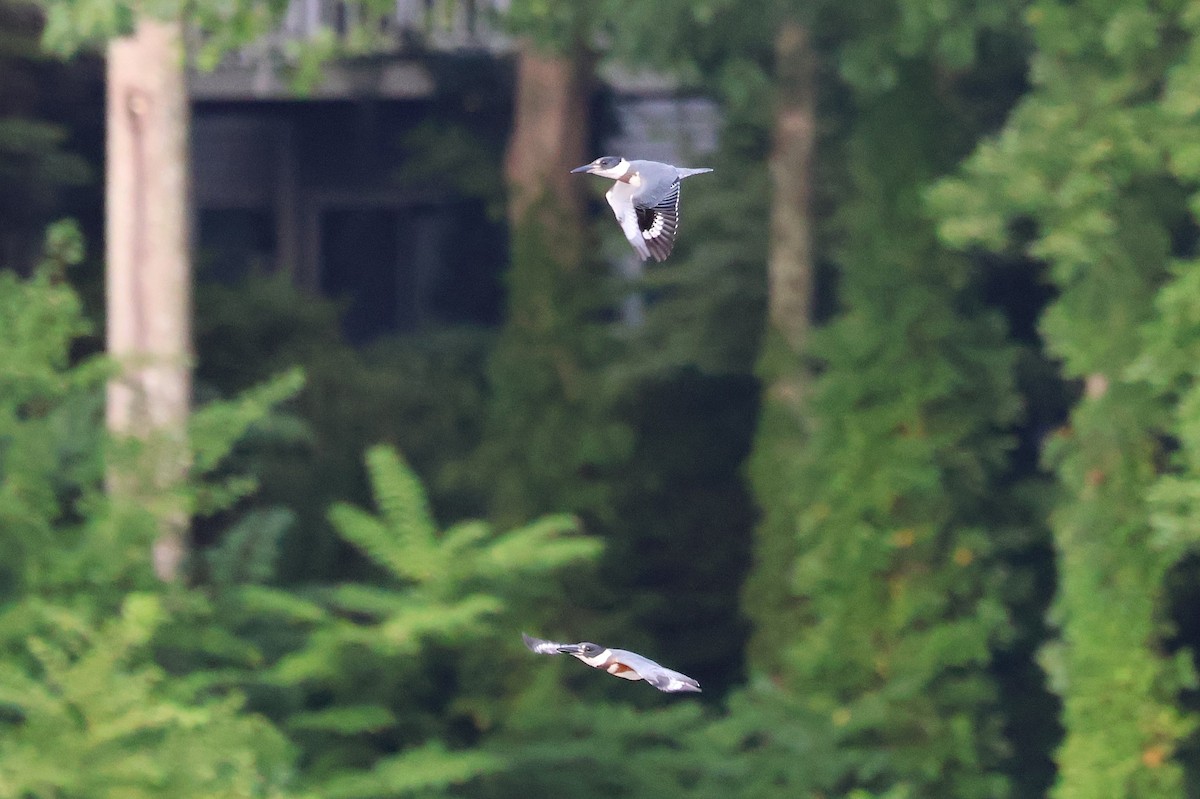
{"x": 660, "y": 677}
{"x": 658, "y": 224}
{"x": 540, "y": 646}
{"x": 673, "y": 682}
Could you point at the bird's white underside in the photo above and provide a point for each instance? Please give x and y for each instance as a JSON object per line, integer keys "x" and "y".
{"x": 620, "y": 200}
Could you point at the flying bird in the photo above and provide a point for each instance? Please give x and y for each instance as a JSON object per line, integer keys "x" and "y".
{"x": 617, "y": 662}
{"x": 645, "y": 198}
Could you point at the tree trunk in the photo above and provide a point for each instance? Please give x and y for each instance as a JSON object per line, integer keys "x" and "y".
{"x": 780, "y": 439}
{"x": 549, "y": 138}
{"x": 541, "y": 379}
{"x": 790, "y": 256}
{"x": 149, "y": 272}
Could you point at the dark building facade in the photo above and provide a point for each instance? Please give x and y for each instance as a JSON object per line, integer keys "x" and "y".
{"x": 382, "y": 185}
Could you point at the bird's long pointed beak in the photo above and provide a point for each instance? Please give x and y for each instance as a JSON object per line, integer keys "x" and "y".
{"x": 583, "y": 168}
{"x": 570, "y": 649}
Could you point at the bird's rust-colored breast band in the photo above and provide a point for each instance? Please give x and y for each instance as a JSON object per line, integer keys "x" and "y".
{"x": 619, "y": 669}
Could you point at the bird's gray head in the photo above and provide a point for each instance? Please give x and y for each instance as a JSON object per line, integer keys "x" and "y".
{"x": 586, "y": 649}
{"x": 606, "y": 166}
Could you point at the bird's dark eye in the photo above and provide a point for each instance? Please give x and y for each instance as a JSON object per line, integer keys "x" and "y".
{"x": 608, "y": 162}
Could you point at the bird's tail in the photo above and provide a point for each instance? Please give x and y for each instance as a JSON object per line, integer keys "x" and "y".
{"x": 687, "y": 173}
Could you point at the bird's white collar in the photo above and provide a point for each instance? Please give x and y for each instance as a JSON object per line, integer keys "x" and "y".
{"x": 596, "y": 661}
{"x": 615, "y": 173}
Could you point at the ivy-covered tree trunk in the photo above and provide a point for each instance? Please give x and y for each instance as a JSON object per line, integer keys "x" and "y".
{"x": 149, "y": 271}
{"x": 1092, "y": 156}
{"x": 894, "y": 579}
{"x": 790, "y": 271}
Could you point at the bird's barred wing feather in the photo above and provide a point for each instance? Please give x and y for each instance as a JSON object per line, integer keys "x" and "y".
{"x": 658, "y": 224}
{"x": 540, "y": 646}
{"x": 660, "y": 677}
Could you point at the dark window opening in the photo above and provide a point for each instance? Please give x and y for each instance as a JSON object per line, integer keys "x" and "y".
{"x": 407, "y": 268}
{"x": 233, "y": 243}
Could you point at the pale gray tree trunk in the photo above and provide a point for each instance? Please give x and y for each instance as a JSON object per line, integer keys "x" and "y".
{"x": 149, "y": 274}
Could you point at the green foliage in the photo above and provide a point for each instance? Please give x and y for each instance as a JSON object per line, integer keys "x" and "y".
{"x": 551, "y": 436}
{"x": 34, "y": 164}
{"x": 766, "y": 744}
{"x": 75, "y": 24}
{"x": 85, "y": 709}
{"x": 1169, "y": 364}
{"x": 770, "y": 743}
{"x": 877, "y": 594}
{"x": 216, "y": 428}
{"x": 1090, "y": 157}
{"x": 423, "y": 770}
{"x": 368, "y": 654}
{"x": 554, "y": 25}
{"x": 219, "y": 28}
{"x": 877, "y": 41}
{"x": 404, "y": 540}
{"x": 895, "y": 581}
{"x": 248, "y": 551}
{"x": 94, "y": 717}
{"x": 554, "y": 744}
{"x": 455, "y": 158}
{"x": 423, "y": 392}
{"x": 774, "y": 471}
{"x": 706, "y": 303}
{"x": 883, "y": 588}
{"x": 49, "y": 442}
{"x": 39, "y": 160}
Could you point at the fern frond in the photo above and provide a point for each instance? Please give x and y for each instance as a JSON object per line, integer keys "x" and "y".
{"x": 279, "y": 604}
{"x": 250, "y": 548}
{"x": 365, "y": 600}
{"x": 544, "y": 545}
{"x": 401, "y": 498}
{"x": 222, "y": 645}
{"x": 19, "y": 691}
{"x": 370, "y": 535}
{"x": 464, "y": 535}
{"x": 213, "y": 429}
{"x": 102, "y": 719}
{"x": 444, "y": 621}
{"x": 211, "y": 682}
{"x": 323, "y": 658}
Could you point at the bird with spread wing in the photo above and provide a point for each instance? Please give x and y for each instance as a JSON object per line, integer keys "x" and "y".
{"x": 617, "y": 662}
